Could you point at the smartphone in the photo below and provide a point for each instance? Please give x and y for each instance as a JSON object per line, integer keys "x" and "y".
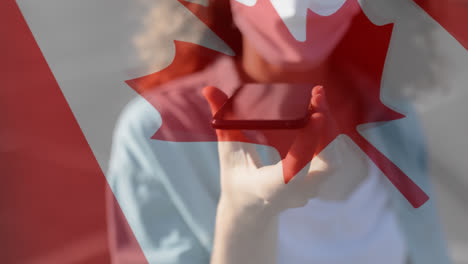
{"x": 259, "y": 106}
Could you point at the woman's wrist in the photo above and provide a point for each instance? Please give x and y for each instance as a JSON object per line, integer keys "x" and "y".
{"x": 246, "y": 212}
{"x": 244, "y": 234}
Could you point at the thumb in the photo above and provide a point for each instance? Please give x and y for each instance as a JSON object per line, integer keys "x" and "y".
{"x": 215, "y": 97}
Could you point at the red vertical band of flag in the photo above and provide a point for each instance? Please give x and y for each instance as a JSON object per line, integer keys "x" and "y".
{"x": 53, "y": 190}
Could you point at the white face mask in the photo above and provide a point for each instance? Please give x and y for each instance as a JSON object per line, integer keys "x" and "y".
{"x": 286, "y": 33}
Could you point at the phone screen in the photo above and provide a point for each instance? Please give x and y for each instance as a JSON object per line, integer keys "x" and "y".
{"x": 278, "y": 105}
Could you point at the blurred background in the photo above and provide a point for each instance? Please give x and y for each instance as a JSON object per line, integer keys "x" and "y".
{"x": 92, "y": 47}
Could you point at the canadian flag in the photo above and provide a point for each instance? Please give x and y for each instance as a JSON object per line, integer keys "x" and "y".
{"x": 67, "y": 68}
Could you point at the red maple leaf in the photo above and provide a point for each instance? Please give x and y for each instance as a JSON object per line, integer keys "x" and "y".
{"x": 350, "y": 106}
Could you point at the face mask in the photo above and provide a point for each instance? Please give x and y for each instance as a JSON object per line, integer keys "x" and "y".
{"x": 294, "y": 33}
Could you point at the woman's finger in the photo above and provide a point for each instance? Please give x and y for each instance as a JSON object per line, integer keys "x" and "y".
{"x": 230, "y": 145}
{"x": 216, "y": 98}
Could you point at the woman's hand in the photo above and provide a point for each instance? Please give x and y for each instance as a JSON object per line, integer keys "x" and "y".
{"x": 253, "y": 189}
{"x": 253, "y": 195}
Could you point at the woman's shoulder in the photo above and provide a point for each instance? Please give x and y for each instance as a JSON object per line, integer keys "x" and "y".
{"x": 170, "y": 113}
{"x": 137, "y": 118}
{"x": 149, "y": 125}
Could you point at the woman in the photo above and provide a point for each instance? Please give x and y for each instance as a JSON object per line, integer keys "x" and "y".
{"x": 184, "y": 207}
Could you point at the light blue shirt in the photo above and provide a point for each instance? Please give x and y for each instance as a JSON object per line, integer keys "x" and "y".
{"x": 168, "y": 191}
